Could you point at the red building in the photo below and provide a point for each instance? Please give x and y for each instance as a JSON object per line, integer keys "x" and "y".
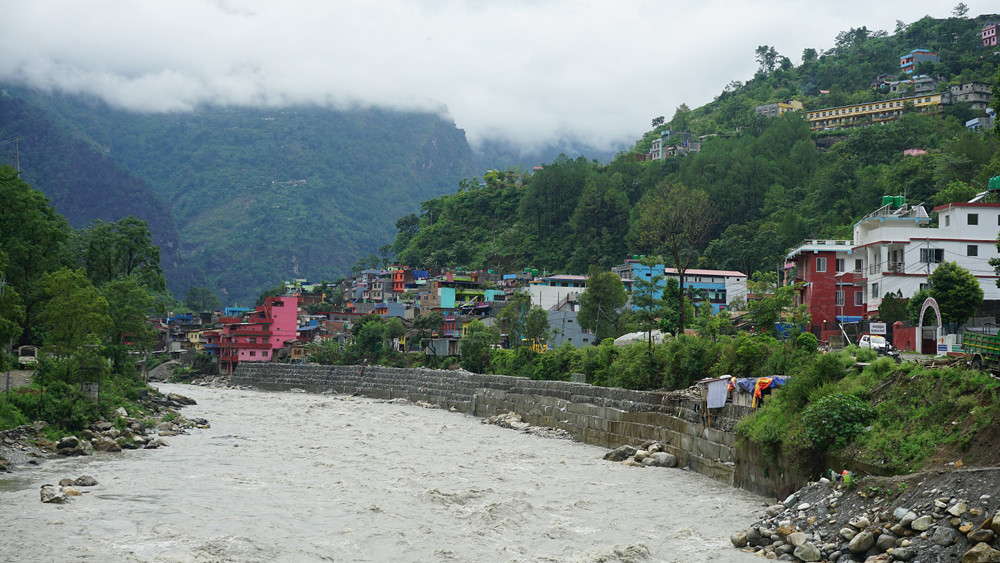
{"x": 827, "y": 270}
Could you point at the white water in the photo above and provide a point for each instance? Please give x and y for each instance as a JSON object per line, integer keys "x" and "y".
{"x": 300, "y": 477}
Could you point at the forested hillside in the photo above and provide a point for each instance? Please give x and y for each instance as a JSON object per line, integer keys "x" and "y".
{"x": 769, "y": 182}
{"x": 259, "y": 195}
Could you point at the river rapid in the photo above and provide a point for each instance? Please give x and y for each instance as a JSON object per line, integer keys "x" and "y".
{"x": 304, "y": 477}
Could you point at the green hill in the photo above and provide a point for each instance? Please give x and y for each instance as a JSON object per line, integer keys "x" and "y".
{"x": 771, "y": 182}
{"x": 259, "y": 195}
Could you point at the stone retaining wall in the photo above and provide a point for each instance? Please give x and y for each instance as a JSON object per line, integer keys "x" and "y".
{"x": 602, "y": 416}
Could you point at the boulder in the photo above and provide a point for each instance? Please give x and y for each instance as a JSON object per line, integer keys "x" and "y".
{"x": 981, "y": 553}
{"x": 899, "y": 513}
{"x": 65, "y": 482}
{"x": 923, "y": 523}
{"x": 797, "y": 539}
{"x": 661, "y": 459}
{"x": 641, "y": 455}
{"x": 995, "y": 523}
{"x": 71, "y": 492}
{"x": 53, "y": 495}
{"x": 885, "y": 542}
{"x": 808, "y": 552}
{"x": 106, "y": 445}
{"x": 774, "y": 509}
{"x": 120, "y": 411}
{"x": 904, "y": 553}
{"x": 739, "y": 539}
{"x": 862, "y": 542}
{"x": 102, "y": 426}
{"x": 944, "y": 536}
{"x": 958, "y": 509}
{"x": 788, "y": 502}
{"x": 68, "y": 442}
{"x": 180, "y": 399}
{"x": 981, "y": 535}
{"x": 621, "y": 453}
{"x": 85, "y": 481}
{"x": 848, "y": 533}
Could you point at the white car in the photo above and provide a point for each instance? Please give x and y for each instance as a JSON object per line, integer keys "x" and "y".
{"x": 874, "y": 342}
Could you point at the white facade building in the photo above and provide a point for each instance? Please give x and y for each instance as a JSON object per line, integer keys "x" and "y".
{"x": 899, "y": 248}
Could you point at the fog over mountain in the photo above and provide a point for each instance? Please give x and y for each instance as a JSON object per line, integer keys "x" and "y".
{"x": 526, "y": 73}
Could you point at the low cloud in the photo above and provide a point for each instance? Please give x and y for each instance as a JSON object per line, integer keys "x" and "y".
{"x": 525, "y": 72}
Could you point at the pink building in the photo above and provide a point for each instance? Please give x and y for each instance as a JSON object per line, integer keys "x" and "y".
{"x": 260, "y": 334}
{"x": 989, "y": 34}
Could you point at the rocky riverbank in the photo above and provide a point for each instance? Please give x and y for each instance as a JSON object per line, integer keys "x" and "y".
{"x": 27, "y": 445}
{"x": 950, "y": 515}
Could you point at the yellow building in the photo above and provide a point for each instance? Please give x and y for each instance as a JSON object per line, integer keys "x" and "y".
{"x": 874, "y": 112}
{"x": 194, "y": 340}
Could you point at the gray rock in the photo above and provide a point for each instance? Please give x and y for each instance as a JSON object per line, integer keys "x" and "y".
{"x": 641, "y": 455}
{"x": 908, "y": 519}
{"x": 904, "y": 553}
{"x": 106, "y": 445}
{"x": 808, "y": 552}
{"x": 120, "y": 411}
{"x": 788, "y": 502}
{"x": 862, "y": 542}
{"x": 797, "y": 538}
{"x": 981, "y": 535}
{"x": 958, "y": 509}
{"x": 661, "y": 459}
{"x": 900, "y": 512}
{"x": 922, "y": 524}
{"x": 739, "y": 539}
{"x": 53, "y": 495}
{"x": 68, "y": 442}
{"x": 804, "y": 506}
{"x": 65, "y": 482}
{"x": 621, "y": 453}
{"x": 85, "y": 481}
{"x": 180, "y": 399}
{"x": 848, "y": 533}
{"x": 981, "y": 553}
{"x": 944, "y": 536}
{"x": 885, "y": 542}
{"x": 834, "y": 555}
{"x": 774, "y": 509}
{"x": 862, "y": 523}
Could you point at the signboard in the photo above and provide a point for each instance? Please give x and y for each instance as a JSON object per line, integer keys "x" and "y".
{"x": 877, "y": 328}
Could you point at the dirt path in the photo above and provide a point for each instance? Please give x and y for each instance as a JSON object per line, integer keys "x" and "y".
{"x": 18, "y": 378}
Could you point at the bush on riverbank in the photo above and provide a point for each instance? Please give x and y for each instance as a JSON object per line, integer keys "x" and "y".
{"x": 886, "y": 416}
{"x": 55, "y": 394}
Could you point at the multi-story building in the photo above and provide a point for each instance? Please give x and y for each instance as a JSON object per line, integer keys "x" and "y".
{"x": 262, "y": 332}
{"x": 719, "y": 286}
{"x": 899, "y": 248}
{"x": 908, "y": 62}
{"x": 778, "y": 108}
{"x": 875, "y": 112}
{"x": 989, "y": 34}
{"x": 826, "y": 270}
{"x": 978, "y": 95}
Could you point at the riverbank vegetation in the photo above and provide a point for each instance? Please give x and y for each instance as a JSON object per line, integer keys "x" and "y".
{"x": 86, "y": 295}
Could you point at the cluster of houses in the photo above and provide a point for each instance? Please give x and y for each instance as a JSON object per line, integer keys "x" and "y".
{"x": 921, "y": 93}
{"x": 279, "y": 329}
{"x": 894, "y": 250}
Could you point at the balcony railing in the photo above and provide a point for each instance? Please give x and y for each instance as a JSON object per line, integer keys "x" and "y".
{"x": 897, "y": 267}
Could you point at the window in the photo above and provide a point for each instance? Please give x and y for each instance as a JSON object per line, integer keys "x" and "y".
{"x": 925, "y": 287}
{"x": 264, "y": 353}
{"x": 875, "y": 290}
{"x": 973, "y": 250}
{"x": 821, "y": 264}
{"x": 947, "y": 220}
{"x": 973, "y": 218}
{"x": 859, "y": 264}
{"x": 840, "y": 298}
{"x": 932, "y": 255}
{"x": 840, "y": 265}
{"x": 252, "y": 353}
{"x": 859, "y": 298}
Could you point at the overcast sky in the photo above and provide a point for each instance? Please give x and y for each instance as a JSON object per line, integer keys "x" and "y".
{"x": 526, "y": 71}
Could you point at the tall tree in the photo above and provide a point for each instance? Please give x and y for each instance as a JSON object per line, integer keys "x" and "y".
{"x": 74, "y": 313}
{"x": 600, "y": 303}
{"x": 675, "y": 220}
{"x": 956, "y": 291}
{"x": 121, "y": 249}
{"x": 476, "y": 346}
{"x": 201, "y": 299}
{"x": 767, "y": 58}
{"x": 650, "y": 307}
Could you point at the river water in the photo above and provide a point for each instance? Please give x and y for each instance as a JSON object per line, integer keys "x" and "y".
{"x": 303, "y": 477}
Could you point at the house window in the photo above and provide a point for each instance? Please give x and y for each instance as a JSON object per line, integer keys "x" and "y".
{"x": 973, "y": 218}
{"x": 264, "y": 353}
{"x": 932, "y": 255}
{"x": 947, "y": 220}
{"x": 875, "y": 290}
{"x": 840, "y": 298}
{"x": 925, "y": 287}
{"x": 859, "y": 298}
{"x": 252, "y": 353}
{"x": 821, "y": 264}
{"x": 840, "y": 265}
{"x": 859, "y": 264}
{"x": 973, "y": 250}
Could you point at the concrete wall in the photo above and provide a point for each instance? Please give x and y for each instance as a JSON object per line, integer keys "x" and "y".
{"x": 602, "y": 416}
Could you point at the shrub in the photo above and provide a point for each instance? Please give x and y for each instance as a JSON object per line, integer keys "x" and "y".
{"x": 836, "y": 419}
{"x": 807, "y": 341}
{"x": 10, "y": 416}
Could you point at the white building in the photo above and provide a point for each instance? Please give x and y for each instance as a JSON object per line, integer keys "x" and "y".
{"x": 898, "y": 248}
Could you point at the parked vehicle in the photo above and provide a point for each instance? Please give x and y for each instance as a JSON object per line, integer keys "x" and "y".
{"x": 880, "y": 345}
{"x": 982, "y": 350}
